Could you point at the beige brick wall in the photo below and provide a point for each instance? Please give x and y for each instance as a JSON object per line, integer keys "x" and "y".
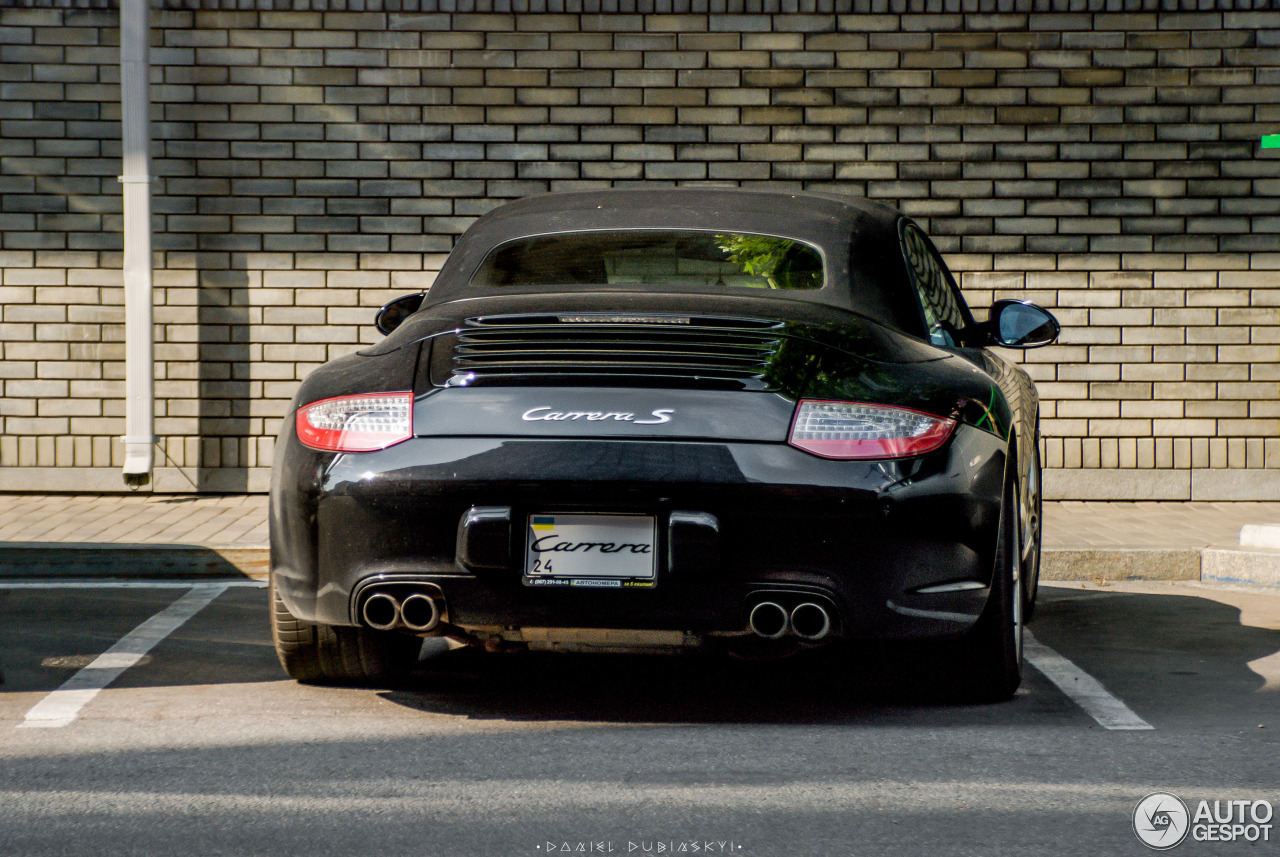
{"x": 1166, "y": 381}
{"x": 313, "y": 165}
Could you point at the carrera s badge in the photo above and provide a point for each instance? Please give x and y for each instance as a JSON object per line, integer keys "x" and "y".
{"x": 657, "y": 417}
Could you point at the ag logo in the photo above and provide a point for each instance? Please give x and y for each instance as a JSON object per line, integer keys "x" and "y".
{"x": 1161, "y": 821}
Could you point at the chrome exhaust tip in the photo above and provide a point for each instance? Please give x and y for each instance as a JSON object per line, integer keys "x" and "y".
{"x": 381, "y": 611}
{"x": 420, "y": 613}
{"x": 810, "y": 621}
{"x": 768, "y": 619}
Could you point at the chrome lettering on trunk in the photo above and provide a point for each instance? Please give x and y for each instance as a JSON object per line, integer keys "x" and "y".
{"x": 656, "y": 417}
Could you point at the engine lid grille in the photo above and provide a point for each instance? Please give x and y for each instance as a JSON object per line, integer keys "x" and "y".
{"x": 617, "y": 347}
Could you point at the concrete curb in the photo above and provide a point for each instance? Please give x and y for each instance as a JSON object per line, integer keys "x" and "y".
{"x": 1120, "y": 563}
{"x": 1251, "y": 567}
{"x": 1230, "y": 565}
{"x": 55, "y": 560}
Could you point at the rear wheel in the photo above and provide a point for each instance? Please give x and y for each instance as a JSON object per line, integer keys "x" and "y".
{"x": 993, "y": 648}
{"x": 335, "y": 654}
{"x": 1032, "y": 528}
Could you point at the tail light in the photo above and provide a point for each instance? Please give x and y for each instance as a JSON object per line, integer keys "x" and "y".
{"x": 853, "y": 430}
{"x": 356, "y": 423}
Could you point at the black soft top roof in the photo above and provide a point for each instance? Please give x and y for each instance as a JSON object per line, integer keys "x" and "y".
{"x": 859, "y": 238}
{"x": 580, "y": 209}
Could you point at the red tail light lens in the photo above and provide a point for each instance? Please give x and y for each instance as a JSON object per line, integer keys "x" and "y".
{"x": 356, "y": 423}
{"x": 852, "y": 430}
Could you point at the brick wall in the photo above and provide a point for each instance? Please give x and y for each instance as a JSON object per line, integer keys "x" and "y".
{"x": 312, "y": 165}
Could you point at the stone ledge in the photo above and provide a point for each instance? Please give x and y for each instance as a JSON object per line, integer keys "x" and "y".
{"x": 58, "y": 480}
{"x": 1062, "y": 484}
{"x": 1204, "y": 484}
{"x": 108, "y": 480}
{"x": 1235, "y": 485}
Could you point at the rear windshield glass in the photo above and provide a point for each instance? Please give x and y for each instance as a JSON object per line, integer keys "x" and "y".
{"x": 731, "y": 260}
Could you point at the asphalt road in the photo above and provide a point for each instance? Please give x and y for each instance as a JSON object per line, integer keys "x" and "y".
{"x": 203, "y": 747}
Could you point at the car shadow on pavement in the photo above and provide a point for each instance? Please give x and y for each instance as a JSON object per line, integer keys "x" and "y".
{"x": 713, "y": 687}
{"x": 1187, "y": 653}
{"x": 1165, "y": 656}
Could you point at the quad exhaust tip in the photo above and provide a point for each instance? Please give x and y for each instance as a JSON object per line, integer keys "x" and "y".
{"x": 381, "y": 611}
{"x": 418, "y": 613}
{"x": 808, "y": 621}
{"x": 769, "y": 619}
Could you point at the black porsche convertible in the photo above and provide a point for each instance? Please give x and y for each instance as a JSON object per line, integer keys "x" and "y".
{"x": 645, "y": 420}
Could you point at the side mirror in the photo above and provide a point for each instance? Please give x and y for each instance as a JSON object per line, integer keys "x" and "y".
{"x": 393, "y": 314}
{"x": 1021, "y": 324}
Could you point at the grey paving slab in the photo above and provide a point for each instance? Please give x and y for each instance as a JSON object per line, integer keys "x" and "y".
{"x": 1157, "y": 525}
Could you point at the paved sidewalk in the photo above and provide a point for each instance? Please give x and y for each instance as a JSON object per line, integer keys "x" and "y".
{"x": 225, "y": 520}
{"x": 1158, "y": 541}
{"x": 1074, "y": 524}
{"x": 44, "y": 535}
{"x": 132, "y": 536}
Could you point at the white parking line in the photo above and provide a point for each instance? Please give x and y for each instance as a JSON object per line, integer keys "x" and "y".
{"x": 1085, "y": 690}
{"x": 62, "y": 706}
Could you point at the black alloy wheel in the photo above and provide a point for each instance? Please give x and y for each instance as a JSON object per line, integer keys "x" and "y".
{"x": 992, "y": 650}
{"x": 1033, "y": 528}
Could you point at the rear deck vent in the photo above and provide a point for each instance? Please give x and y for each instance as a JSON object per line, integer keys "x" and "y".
{"x": 614, "y": 348}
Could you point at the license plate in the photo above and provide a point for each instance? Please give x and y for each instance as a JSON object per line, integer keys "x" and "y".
{"x": 591, "y": 551}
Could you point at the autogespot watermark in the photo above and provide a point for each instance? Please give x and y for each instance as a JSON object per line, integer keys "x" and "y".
{"x": 642, "y": 847}
{"x": 1162, "y": 821}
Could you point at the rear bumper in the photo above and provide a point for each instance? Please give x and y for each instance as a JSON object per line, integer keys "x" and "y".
{"x": 864, "y": 535}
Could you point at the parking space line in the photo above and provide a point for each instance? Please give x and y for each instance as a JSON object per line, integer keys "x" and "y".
{"x": 62, "y": 706}
{"x": 1083, "y": 689}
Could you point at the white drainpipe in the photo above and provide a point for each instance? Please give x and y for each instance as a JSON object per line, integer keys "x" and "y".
{"x": 135, "y": 101}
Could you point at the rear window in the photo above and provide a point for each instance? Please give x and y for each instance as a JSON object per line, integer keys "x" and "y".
{"x": 703, "y": 260}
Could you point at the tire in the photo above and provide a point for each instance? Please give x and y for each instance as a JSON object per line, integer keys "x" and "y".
{"x": 993, "y": 648}
{"x": 336, "y": 654}
{"x": 1033, "y": 539}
